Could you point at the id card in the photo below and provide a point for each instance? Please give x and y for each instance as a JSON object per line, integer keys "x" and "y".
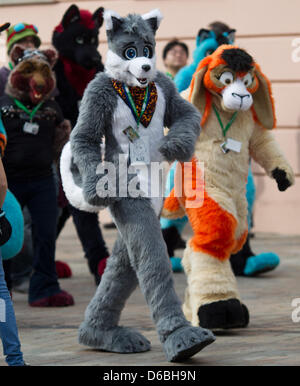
{"x": 232, "y": 144}
{"x": 31, "y": 128}
{"x": 131, "y": 134}
{"x": 139, "y": 151}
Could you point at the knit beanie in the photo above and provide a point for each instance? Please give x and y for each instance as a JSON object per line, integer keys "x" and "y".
{"x": 19, "y": 32}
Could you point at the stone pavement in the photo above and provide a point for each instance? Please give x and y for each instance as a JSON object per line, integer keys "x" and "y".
{"x": 49, "y": 336}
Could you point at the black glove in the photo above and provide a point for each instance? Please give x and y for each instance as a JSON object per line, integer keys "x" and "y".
{"x": 281, "y": 179}
{"x": 5, "y": 228}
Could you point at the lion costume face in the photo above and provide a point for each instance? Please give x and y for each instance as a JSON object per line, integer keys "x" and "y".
{"x": 231, "y": 75}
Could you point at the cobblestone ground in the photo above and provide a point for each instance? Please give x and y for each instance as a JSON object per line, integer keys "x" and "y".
{"x": 49, "y": 336}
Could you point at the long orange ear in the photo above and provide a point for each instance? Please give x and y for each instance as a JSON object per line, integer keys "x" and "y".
{"x": 263, "y": 102}
{"x": 199, "y": 95}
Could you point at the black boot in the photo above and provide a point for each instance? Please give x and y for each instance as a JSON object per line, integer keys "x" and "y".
{"x": 172, "y": 238}
{"x": 238, "y": 260}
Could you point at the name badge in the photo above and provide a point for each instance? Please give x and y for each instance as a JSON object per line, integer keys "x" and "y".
{"x": 139, "y": 151}
{"x": 131, "y": 134}
{"x": 31, "y": 128}
{"x": 232, "y": 144}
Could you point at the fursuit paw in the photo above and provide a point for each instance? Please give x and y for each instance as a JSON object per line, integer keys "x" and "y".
{"x": 282, "y": 179}
{"x": 185, "y": 342}
{"x": 118, "y": 339}
{"x": 223, "y": 314}
{"x": 176, "y": 264}
{"x": 262, "y": 263}
{"x": 61, "y": 299}
{"x": 174, "y": 149}
{"x": 63, "y": 270}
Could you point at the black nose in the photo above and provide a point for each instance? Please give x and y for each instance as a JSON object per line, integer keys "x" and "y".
{"x": 146, "y": 67}
{"x": 239, "y": 95}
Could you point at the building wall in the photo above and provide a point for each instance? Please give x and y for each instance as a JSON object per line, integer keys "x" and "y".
{"x": 268, "y": 29}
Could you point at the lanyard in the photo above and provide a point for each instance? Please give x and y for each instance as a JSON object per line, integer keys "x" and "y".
{"x": 170, "y": 75}
{"x": 133, "y": 107}
{"x": 28, "y": 112}
{"x": 224, "y": 130}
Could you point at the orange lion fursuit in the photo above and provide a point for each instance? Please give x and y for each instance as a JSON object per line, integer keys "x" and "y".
{"x": 235, "y": 100}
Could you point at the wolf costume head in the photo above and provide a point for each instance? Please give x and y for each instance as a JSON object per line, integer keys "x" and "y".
{"x": 131, "y": 42}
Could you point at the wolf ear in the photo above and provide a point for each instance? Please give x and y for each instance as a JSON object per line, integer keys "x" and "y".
{"x": 51, "y": 56}
{"x": 154, "y": 18}
{"x": 98, "y": 17}
{"x": 113, "y": 21}
{"x": 202, "y": 35}
{"x": 17, "y": 53}
{"x": 230, "y": 35}
{"x": 71, "y": 16}
{"x": 263, "y": 103}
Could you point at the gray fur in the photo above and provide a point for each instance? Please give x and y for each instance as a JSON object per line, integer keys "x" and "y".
{"x": 140, "y": 254}
{"x": 94, "y": 122}
{"x": 100, "y": 328}
{"x": 132, "y": 28}
{"x": 183, "y": 121}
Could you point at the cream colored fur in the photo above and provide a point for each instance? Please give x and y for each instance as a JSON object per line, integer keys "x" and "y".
{"x": 209, "y": 280}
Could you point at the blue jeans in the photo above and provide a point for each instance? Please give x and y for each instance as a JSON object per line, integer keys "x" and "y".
{"x": 8, "y": 328}
{"x": 39, "y": 195}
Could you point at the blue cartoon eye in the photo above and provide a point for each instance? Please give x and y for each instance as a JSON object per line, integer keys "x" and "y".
{"x": 130, "y": 53}
{"x": 146, "y": 52}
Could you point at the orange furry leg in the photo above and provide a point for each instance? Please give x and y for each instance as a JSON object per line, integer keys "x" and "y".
{"x": 214, "y": 229}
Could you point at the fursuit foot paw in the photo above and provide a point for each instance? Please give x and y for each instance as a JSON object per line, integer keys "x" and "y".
{"x": 61, "y": 299}
{"x": 176, "y": 264}
{"x": 223, "y": 314}
{"x": 118, "y": 339}
{"x": 186, "y": 342}
{"x": 262, "y": 263}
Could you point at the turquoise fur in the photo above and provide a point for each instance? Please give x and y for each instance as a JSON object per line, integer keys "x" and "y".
{"x": 261, "y": 263}
{"x": 14, "y": 215}
{"x": 176, "y": 264}
{"x": 184, "y": 76}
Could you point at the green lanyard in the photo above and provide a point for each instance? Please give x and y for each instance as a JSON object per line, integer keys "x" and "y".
{"x": 224, "y": 130}
{"x": 170, "y": 75}
{"x": 28, "y": 112}
{"x": 145, "y": 102}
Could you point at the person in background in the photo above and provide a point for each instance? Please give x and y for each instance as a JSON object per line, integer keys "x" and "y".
{"x": 24, "y": 34}
{"x": 175, "y": 56}
{"x": 17, "y": 271}
{"x": 206, "y": 42}
{"x": 32, "y": 120}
